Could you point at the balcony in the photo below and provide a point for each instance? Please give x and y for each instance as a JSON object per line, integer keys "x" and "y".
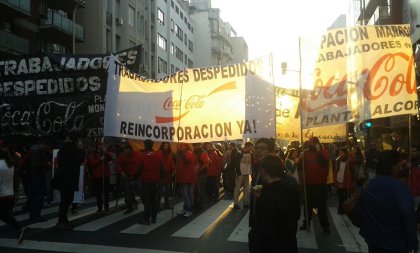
{"x": 67, "y": 5}
{"x": 16, "y": 8}
{"x": 57, "y": 22}
{"x": 12, "y": 43}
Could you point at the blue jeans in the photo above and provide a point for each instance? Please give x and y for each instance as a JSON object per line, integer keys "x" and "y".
{"x": 187, "y": 196}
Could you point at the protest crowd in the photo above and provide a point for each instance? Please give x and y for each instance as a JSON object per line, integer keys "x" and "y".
{"x": 258, "y": 175}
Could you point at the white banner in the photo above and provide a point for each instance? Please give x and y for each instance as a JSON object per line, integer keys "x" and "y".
{"x": 288, "y": 121}
{"x": 362, "y": 72}
{"x": 193, "y": 105}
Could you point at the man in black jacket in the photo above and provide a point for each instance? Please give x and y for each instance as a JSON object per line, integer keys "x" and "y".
{"x": 277, "y": 210}
{"x": 66, "y": 178}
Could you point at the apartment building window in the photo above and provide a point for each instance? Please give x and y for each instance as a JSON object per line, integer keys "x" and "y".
{"x": 162, "y": 66}
{"x": 161, "y": 41}
{"x": 172, "y": 49}
{"x": 118, "y": 43}
{"x": 161, "y": 17}
{"x": 185, "y": 20}
{"x": 185, "y": 39}
{"x": 189, "y": 26}
{"x": 179, "y": 54}
{"x": 108, "y": 41}
{"x": 176, "y": 9}
{"x": 131, "y": 13}
{"x": 172, "y": 69}
{"x": 190, "y": 46}
{"x": 185, "y": 59}
{"x": 181, "y": 14}
{"x": 190, "y": 63}
{"x": 172, "y": 4}
{"x": 53, "y": 47}
{"x": 179, "y": 33}
{"x": 172, "y": 25}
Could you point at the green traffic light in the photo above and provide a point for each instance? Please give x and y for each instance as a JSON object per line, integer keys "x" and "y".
{"x": 368, "y": 124}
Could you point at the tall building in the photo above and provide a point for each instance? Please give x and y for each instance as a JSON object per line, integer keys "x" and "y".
{"x": 214, "y": 37}
{"x": 33, "y": 26}
{"x": 175, "y": 36}
{"x": 162, "y": 27}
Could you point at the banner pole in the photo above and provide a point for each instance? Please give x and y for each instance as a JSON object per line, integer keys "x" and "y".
{"x": 177, "y": 144}
{"x": 308, "y": 225}
{"x": 409, "y": 151}
{"x": 274, "y": 92}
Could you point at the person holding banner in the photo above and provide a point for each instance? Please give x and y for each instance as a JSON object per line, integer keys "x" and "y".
{"x": 213, "y": 172}
{"x": 169, "y": 166}
{"x": 127, "y": 164}
{"x": 185, "y": 169}
{"x": 66, "y": 178}
{"x": 314, "y": 161}
{"x": 151, "y": 172}
{"x": 97, "y": 163}
{"x": 203, "y": 161}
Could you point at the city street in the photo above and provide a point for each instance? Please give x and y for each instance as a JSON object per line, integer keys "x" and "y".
{"x": 217, "y": 228}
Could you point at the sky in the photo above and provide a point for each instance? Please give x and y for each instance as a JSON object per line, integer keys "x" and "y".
{"x": 274, "y": 26}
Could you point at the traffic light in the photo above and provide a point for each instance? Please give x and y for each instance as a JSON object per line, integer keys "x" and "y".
{"x": 365, "y": 126}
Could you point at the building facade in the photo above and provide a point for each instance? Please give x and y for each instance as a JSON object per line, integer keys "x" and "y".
{"x": 34, "y": 26}
{"x": 214, "y": 37}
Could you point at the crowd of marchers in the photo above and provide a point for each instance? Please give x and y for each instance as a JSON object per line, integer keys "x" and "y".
{"x": 271, "y": 182}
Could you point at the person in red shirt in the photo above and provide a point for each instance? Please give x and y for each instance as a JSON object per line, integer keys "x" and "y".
{"x": 127, "y": 164}
{"x": 151, "y": 164}
{"x": 169, "y": 166}
{"x": 203, "y": 161}
{"x": 213, "y": 171}
{"x": 314, "y": 161}
{"x": 185, "y": 169}
{"x": 97, "y": 162}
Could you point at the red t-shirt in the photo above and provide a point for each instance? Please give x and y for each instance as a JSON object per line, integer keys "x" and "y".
{"x": 99, "y": 167}
{"x": 128, "y": 163}
{"x": 151, "y": 163}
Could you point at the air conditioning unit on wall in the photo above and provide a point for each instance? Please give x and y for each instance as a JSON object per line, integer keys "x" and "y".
{"x": 144, "y": 68}
{"x": 119, "y": 21}
{"x": 5, "y": 26}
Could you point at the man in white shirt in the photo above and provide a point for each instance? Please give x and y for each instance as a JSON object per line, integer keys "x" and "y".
{"x": 242, "y": 178}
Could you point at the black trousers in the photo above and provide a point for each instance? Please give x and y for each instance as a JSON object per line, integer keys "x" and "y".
{"x": 101, "y": 188}
{"x": 66, "y": 198}
{"x": 150, "y": 201}
{"x": 343, "y": 195}
{"x": 317, "y": 198}
{"x": 229, "y": 177}
{"x": 213, "y": 187}
{"x": 6, "y": 213}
